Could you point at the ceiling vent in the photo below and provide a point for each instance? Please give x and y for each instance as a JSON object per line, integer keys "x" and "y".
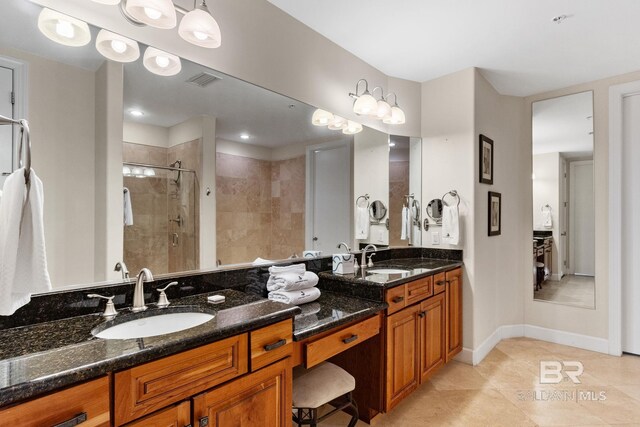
{"x": 203, "y": 79}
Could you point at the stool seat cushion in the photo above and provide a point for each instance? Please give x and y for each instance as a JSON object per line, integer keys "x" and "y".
{"x": 319, "y": 385}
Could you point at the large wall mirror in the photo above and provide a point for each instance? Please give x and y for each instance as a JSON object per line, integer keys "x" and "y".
{"x": 563, "y": 201}
{"x": 183, "y": 172}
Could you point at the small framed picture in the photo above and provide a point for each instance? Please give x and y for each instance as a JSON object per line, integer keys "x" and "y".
{"x": 486, "y": 160}
{"x": 495, "y": 213}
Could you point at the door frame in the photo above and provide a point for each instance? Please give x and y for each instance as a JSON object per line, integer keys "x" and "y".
{"x": 572, "y": 230}
{"x": 616, "y": 95}
{"x": 20, "y": 76}
{"x": 310, "y": 193}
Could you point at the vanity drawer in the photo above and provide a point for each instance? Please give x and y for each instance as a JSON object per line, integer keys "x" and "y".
{"x": 270, "y": 344}
{"x": 322, "y": 349}
{"x": 396, "y": 298}
{"x": 155, "y": 385}
{"x": 419, "y": 289}
{"x": 439, "y": 283}
{"x": 88, "y": 402}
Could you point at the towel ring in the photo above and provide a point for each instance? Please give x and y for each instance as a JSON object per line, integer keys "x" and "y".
{"x": 547, "y": 207}
{"x": 366, "y": 199}
{"x": 452, "y": 193}
{"x": 25, "y": 141}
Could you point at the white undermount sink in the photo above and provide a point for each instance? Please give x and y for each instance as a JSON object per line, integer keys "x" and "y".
{"x": 152, "y": 326}
{"x": 388, "y": 271}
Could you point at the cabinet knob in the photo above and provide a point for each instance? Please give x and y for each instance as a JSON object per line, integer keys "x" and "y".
{"x": 422, "y": 314}
{"x": 204, "y": 421}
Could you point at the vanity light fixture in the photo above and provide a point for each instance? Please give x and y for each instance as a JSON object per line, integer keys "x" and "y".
{"x": 200, "y": 28}
{"x": 321, "y": 118}
{"x": 397, "y": 115}
{"x": 137, "y": 172}
{"x": 338, "y": 123}
{"x": 148, "y": 172}
{"x": 126, "y": 170}
{"x": 392, "y": 144}
{"x": 160, "y": 62}
{"x": 383, "y": 109}
{"x": 116, "y": 47}
{"x": 154, "y": 13}
{"x": 365, "y": 104}
{"x": 352, "y": 128}
{"x": 63, "y": 29}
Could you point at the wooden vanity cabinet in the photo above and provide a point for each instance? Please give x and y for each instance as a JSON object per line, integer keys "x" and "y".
{"x": 423, "y": 336}
{"x": 175, "y": 416}
{"x": 262, "y": 398}
{"x": 453, "y": 310}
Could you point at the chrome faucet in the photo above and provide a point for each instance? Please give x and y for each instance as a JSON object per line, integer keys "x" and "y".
{"x": 364, "y": 254}
{"x": 345, "y": 246}
{"x": 121, "y": 266}
{"x": 138, "y": 293}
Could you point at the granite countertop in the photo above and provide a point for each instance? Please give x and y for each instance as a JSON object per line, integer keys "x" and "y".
{"x": 43, "y": 357}
{"x": 330, "y": 311}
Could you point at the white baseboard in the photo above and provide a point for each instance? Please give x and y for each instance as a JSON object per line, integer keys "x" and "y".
{"x": 555, "y": 277}
{"x": 585, "y": 342}
{"x": 473, "y": 357}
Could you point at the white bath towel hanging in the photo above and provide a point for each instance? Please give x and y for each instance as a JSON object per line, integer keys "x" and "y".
{"x": 450, "y": 224}
{"x": 547, "y": 219}
{"x": 362, "y": 222}
{"x": 405, "y": 232}
{"x": 23, "y": 255}
{"x": 128, "y": 211}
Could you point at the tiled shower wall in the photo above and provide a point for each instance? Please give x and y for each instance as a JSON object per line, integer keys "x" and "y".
{"x": 259, "y": 207}
{"x": 148, "y": 242}
{"x": 398, "y": 187}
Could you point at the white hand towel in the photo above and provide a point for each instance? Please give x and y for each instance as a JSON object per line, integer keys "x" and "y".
{"x": 294, "y": 268}
{"x": 362, "y": 222}
{"x": 261, "y": 261}
{"x": 23, "y": 255}
{"x": 405, "y": 232}
{"x": 295, "y": 297}
{"x": 128, "y": 211}
{"x": 450, "y": 224}
{"x": 292, "y": 281}
{"x": 547, "y": 219}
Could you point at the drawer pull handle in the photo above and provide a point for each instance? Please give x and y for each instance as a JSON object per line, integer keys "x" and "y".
{"x": 440, "y": 283}
{"x": 396, "y": 300}
{"x": 351, "y": 339}
{"x": 275, "y": 345}
{"x": 422, "y": 314}
{"x": 78, "y": 419}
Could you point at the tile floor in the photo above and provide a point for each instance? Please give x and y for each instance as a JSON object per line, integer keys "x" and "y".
{"x": 570, "y": 290}
{"x": 500, "y": 392}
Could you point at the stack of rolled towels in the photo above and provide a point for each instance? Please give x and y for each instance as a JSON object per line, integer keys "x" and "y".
{"x": 292, "y": 284}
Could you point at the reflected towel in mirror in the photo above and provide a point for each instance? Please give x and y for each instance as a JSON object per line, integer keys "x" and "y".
{"x": 362, "y": 222}
{"x": 23, "y": 255}
{"x": 547, "y": 219}
{"x": 450, "y": 224}
{"x": 295, "y": 297}
{"x": 406, "y": 224}
{"x": 128, "y": 211}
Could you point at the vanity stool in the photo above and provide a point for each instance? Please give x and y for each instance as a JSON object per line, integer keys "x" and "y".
{"x": 317, "y": 386}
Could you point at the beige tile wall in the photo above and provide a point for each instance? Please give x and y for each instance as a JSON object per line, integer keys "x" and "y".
{"x": 259, "y": 207}
{"x": 398, "y": 187}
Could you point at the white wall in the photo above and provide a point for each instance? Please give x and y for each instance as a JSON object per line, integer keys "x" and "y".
{"x": 547, "y": 169}
{"x": 264, "y": 45}
{"x": 415, "y": 183}
{"x": 61, "y": 113}
{"x": 244, "y": 150}
{"x": 371, "y": 176}
{"x": 140, "y": 133}
{"x": 448, "y": 163}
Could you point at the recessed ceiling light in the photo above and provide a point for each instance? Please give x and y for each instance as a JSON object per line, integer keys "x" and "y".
{"x": 244, "y": 136}
{"x": 392, "y": 144}
{"x": 136, "y": 113}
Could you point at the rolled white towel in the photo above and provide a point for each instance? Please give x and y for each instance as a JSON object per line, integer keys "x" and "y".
{"x": 294, "y": 268}
{"x": 295, "y": 297}
{"x": 292, "y": 281}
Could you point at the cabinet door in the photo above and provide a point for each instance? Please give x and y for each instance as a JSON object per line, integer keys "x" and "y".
{"x": 454, "y": 313}
{"x": 402, "y": 355}
{"x": 175, "y": 416}
{"x": 432, "y": 335}
{"x": 262, "y": 398}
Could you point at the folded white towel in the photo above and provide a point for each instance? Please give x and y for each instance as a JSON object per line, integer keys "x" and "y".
{"x": 294, "y": 268}
{"x": 362, "y": 222}
{"x": 23, "y": 255}
{"x": 450, "y": 224}
{"x": 547, "y": 219}
{"x": 405, "y": 232}
{"x": 295, "y": 297}
{"x": 128, "y": 211}
{"x": 261, "y": 261}
{"x": 292, "y": 281}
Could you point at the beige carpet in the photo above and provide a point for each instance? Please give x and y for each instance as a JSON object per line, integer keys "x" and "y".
{"x": 501, "y": 391}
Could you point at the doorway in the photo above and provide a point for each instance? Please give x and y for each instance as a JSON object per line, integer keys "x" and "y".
{"x": 6, "y": 132}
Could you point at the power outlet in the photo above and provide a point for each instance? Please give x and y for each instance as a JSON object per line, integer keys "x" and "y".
{"x": 435, "y": 238}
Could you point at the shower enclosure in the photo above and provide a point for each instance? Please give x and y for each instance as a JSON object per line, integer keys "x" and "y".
{"x": 164, "y": 233}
